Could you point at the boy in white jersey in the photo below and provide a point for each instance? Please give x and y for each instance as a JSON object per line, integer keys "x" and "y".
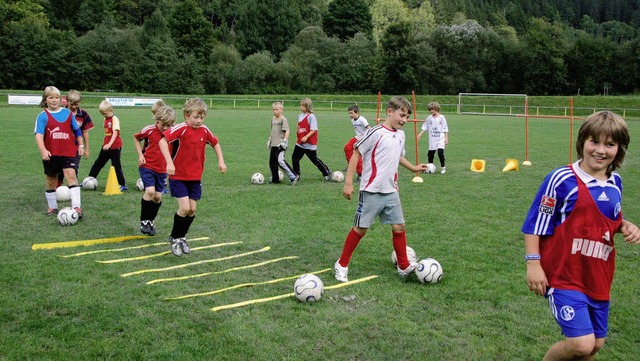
{"x": 360, "y": 126}
{"x": 381, "y": 149}
{"x": 436, "y": 126}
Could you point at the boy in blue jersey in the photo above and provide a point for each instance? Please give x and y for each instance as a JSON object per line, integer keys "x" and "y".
{"x": 569, "y": 237}
{"x": 57, "y": 134}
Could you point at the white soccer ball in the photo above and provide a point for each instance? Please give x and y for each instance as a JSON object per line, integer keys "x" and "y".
{"x": 337, "y": 176}
{"x": 257, "y": 178}
{"x": 62, "y": 194}
{"x": 429, "y": 271}
{"x": 89, "y": 183}
{"x": 280, "y": 175}
{"x": 431, "y": 168}
{"x": 140, "y": 184}
{"x": 411, "y": 255}
{"x": 308, "y": 288}
{"x": 67, "y": 216}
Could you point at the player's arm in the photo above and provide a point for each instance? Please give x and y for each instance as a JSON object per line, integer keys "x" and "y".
{"x": 164, "y": 149}
{"x": 221, "y": 165}
{"x": 536, "y": 278}
{"x": 138, "y": 146}
{"x": 306, "y": 137}
{"x": 630, "y": 232}
{"x": 114, "y": 136}
{"x": 414, "y": 168}
{"x": 347, "y": 190}
{"x": 85, "y": 137}
{"x": 44, "y": 152}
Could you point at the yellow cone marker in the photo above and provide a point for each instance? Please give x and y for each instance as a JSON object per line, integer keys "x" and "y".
{"x": 261, "y": 300}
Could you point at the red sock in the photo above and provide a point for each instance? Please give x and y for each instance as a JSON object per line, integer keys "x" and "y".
{"x": 350, "y": 244}
{"x": 400, "y": 246}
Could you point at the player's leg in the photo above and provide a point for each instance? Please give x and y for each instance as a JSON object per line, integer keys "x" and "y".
{"x": 98, "y": 164}
{"x": 150, "y": 202}
{"x": 273, "y": 164}
{"x": 430, "y": 155}
{"x": 392, "y": 214}
{"x": 313, "y": 156}
{"x": 286, "y": 168}
{"x": 298, "y": 153}
{"x": 52, "y": 168}
{"x": 443, "y": 169}
{"x": 69, "y": 172}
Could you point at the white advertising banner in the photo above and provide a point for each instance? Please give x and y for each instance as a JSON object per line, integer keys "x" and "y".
{"x": 132, "y": 102}
{"x": 24, "y": 99}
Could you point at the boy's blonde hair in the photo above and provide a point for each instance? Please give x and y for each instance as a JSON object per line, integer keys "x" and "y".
{"x": 194, "y": 105}
{"x": 48, "y": 91}
{"x": 159, "y": 103}
{"x": 277, "y": 104}
{"x": 608, "y": 124}
{"x": 435, "y": 106}
{"x": 308, "y": 104}
{"x": 165, "y": 115}
{"x": 105, "y": 106}
{"x": 399, "y": 103}
{"x": 73, "y": 96}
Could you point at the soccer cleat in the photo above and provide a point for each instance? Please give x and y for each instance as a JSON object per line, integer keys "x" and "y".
{"x": 123, "y": 188}
{"x": 327, "y": 178}
{"x": 152, "y": 228}
{"x": 144, "y": 227}
{"x": 295, "y": 180}
{"x": 183, "y": 244}
{"x": 175, "y": 246}
{"x": 443, "y": 170}
{"x": 340, "y": 272}
{"x": 80, "y": 213}
{"x": 407, "y": 271}
{"x": 52, "y": 212}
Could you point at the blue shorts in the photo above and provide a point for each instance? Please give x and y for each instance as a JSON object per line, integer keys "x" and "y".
{"x": 372, "y": 205}
{"x": 180, "y": 188}
{"x": 151, "y": 179}
{"x": 578, "y": 314}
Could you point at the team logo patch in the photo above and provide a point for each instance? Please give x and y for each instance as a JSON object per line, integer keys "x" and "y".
{"x": 567, "y": 313}
{"x": 547, "y": 205}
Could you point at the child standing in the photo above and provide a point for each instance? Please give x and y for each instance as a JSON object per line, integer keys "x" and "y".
{"x": 436, "y": 125}
{"x": 569, "y": 236}
{"x": 152, "y": 166}
{"x": 307, "y": 142}
{"x": 57, "y": 133}
{"x": 111, "y": 145}
{"x": 185, "y": 167}
{"x": 382, "y": 149}
{"x": 84, "y": 121}
{"x": 360, "y": 125}
{"x": 277, "y": 144}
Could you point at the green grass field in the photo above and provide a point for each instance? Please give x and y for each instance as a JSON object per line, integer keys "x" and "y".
{"x": 57, "y": 308}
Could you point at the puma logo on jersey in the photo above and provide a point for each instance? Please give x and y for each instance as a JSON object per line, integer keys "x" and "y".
{"x": 589, "y": 248}
{"x": 603, "y": 197}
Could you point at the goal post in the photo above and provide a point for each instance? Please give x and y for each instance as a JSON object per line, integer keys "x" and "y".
{"x": 492, "y": 104}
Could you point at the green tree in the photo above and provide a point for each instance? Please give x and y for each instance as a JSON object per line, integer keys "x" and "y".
{"x": 220, "y": 75}
{"x": 345, "y": 18}
{"x": 160, "y": 57}
{"x": 546, "y": 70}
{"x": 303, "y": 59}
{"x": 385, "y": 13}
{"x": 398, "y": 53}
{"x": 190, "y": 30}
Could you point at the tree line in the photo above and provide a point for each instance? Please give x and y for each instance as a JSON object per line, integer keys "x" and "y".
{"x": 548, "y": 47}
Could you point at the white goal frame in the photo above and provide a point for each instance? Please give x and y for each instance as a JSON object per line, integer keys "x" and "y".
{"x": 491, "y": 105}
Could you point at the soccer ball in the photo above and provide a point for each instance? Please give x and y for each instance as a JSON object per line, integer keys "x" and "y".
{"x": 337, "y": 176}
{"x": 280, "y": 175}
{"x": 67, "y": 216}
{"x": 429, "y": 271}
{"x": 411, "y": 255}
{"x": 139, "y": 184}
{"x": 62, "y": 194}
{"x": 257, "y": 178}
{"x": 431, "y": 168}
{"x": 89, "y": 183}
{"x": 308, "y": 288}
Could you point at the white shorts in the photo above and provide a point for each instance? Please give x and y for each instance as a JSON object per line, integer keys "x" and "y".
{"x": 372, "y": 205}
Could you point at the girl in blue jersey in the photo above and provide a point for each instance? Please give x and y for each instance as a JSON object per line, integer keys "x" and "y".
{"x": 569, "y": 237}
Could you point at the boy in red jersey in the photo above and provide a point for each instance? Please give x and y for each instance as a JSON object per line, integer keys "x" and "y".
{"x": 84, "y": 122}
{"x": 569, "y": 237}
{"x": 382, "y": 150}
{"x": 57, "y": 133}
{"x": 152, "y": 166}
{"x": 111, "y": 145}
{"x": 307, "y": 142}
{"x": 185, "y": 167}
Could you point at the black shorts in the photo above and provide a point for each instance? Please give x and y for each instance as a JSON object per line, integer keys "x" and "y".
{"x": 57, "y": 163}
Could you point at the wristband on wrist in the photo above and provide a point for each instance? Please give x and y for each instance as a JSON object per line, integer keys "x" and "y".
{"x": 532, "y": 257}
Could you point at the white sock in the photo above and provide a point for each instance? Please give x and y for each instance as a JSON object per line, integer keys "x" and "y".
{"x": 74, "y": 192}
{"x": 52, "y": 202}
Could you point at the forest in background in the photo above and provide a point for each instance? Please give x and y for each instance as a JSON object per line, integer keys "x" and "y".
{"x": 547, "y": 47}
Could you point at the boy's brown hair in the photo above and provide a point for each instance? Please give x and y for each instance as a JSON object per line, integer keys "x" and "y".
{"x": 609, "y": 124}
{"x": 399, "y": 103}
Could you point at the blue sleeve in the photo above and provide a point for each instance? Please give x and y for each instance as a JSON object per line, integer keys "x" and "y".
{"x": 41, "y": 124}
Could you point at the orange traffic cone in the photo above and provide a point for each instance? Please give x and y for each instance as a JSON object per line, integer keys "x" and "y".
{"x": 511, "y": 164}
{"x": 112, "y": 183}
{"x": 477, "y": 165}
